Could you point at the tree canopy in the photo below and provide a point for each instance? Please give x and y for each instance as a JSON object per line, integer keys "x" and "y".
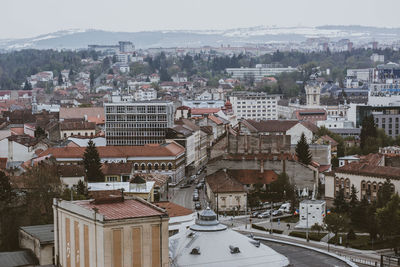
{"x": 303, "y": 150}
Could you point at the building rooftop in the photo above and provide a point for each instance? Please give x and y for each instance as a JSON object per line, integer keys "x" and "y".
{"x": 77, "y": 125}
{"x": 116, "y": 168}
{"x": 71, "y": 170}
{"x": 222, "y": 182}
{"x": 18, "y": 258}
{"x": 173, "y": 210}
{"x": 253, "y": 176}
{"x": 45, "y": 233}
{"x": 209, "y": 243}
{"x": 126, "y": 186}
{"x": 149, "y": 150}
{"x": 270, "y": 125}
{"x": 129, "y": 208}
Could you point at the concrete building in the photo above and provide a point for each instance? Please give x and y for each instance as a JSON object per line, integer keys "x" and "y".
{"x": 138, "y": 123}
{"x": 257, "y": 73}
{"x": 256, "y": 106}
{"x": 110, "y": 231}
{"x": 142, "y": 188}
{"x": 311, "y": 212}
{"x": 40, "y": 240}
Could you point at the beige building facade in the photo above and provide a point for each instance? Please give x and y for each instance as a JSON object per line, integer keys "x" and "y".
{"x": 121, "y": 233}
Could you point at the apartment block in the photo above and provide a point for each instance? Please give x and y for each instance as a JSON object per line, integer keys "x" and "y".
{"x": 256, "y": 106}
{"x": 137, "y": 123}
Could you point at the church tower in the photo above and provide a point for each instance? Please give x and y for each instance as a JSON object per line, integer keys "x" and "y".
{"x": 313, "y": 94}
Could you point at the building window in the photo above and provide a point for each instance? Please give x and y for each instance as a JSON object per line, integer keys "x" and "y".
{"x": 143, "y": 167}
{"x": 112, "y": 179}
{"x": 163, "y": 166}
{"x": 156, "y": 167}
{"x": 169, "y": 166}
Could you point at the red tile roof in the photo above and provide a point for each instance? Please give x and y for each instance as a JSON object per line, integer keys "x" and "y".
{"x": 222, "y": 182}
{"x": 79, "y": 113}
{"x": 202, "y": 111}
{"x": 359, "y": 168}
{"x": 330, "y": 140}
{"x": 270, "y": 125}
{"x": 173, "y": 210}
{"x": 129, "y": 208}
{"x": 116, "y": 168}
{"x": 71, "y": 170}
{"x": 218, "y": 121}
{"x": 149, "y": 150}
{"x": 77, "y": 125}
{"x": 253, "y": 176}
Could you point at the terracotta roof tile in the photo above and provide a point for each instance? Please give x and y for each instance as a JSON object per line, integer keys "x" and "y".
{"x": 155, "y": 150}
{"x": 79, "y": 113}
{"x": 253, "y": 176}
{"x": 201, "y": 111}
{"x": 71, "y": 170}
{"x": 360, "y": 168}
{"x": 271, "y": 125}
{"x": 222, "y": 182}
{"x": 173, "y": 210}
{"x": 129, "y": 208}
{"x": 116, "y": 168}
{"x": 77, "y": 125}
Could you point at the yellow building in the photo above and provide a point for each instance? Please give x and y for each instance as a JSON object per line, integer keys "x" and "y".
{"x": 110, "y": 231}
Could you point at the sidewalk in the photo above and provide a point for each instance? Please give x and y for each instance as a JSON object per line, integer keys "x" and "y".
{"x": 369, "y": 255}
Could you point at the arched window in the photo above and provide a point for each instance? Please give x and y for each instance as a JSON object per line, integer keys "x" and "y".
{"x": 342, "y": 183}
{"x": 169, "y": 166}
{"x": 374, "y": 187}
{"x": 136, "y": 166}
{"x": 156, "y": 166}
{"x": 363, "y": 185}
{"x": 143, "y": 166}
{"x": 163, "y": 166}
{"x": 149, "y": 167}
{"x": 392, "y": 188}
{"x": 347, "y": 183}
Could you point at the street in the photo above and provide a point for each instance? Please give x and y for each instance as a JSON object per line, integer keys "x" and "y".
{"x": 184, "y": 196}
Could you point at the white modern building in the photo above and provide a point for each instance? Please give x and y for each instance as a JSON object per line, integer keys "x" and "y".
{"x": 137, "y": 123}
{"x": 258, "y": 72}
{"x": 311, "y": 212}
{"x": 335, "y": 122}
{"x": 256, "y": 106}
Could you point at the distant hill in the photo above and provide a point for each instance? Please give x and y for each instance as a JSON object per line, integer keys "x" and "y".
{"x": 75, "y": 39}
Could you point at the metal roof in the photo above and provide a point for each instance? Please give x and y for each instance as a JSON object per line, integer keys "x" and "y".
{"x": 45, "y": 232}
{"x": 18, "y": 258}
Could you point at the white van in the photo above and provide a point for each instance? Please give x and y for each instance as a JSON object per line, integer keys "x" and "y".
{"x": 285, "y": 207}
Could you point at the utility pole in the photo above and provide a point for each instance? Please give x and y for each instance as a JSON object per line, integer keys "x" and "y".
{"x": 217, "y": 201}
{"x": 270, "y": 217}
{"x": 307, "y": 225}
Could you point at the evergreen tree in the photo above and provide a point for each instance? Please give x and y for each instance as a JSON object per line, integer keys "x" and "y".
{"x": 358, "y": 215}
{"x": 336, "y": 223}
{"x": 81, "y": 188}
{"x": 368, "y": 130}
{"x": 384, "y": 194}
{"x": 71, "y": 75}
{"x": 60, "y": 79}
{"x": 388, "y": 219}
{"x": 27, "y": 85}
{"x": 353, "y": 198}
{"x": 91, "y": 161}
{"x": 303, "y": 150}
{"x": 340, "y": 203}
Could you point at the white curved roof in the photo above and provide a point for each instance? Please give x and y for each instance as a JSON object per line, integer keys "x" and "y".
{"x": 215, "y": 251}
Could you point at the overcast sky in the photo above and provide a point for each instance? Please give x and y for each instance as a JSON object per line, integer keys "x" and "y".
{"x": 27, "y": 18}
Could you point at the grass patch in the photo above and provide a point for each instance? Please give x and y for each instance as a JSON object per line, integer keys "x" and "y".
{"x": 290, "y": 219}
{"x": 362, "y": 242}
{"x": 254, "y": 226}
{"x": 311, "y": 235}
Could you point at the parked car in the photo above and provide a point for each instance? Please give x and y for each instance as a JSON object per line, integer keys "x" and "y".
{"x": 255, "y": 214}
{"x": 277, "y": 213}
{"x": 199, "y": 186}
{"x": 195, "y": 197}
{"x": 197, "y": 206}
{"x": 196, "y": 191}
{"x": 184, "y": 186}
{"x": 265, "y": 214}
